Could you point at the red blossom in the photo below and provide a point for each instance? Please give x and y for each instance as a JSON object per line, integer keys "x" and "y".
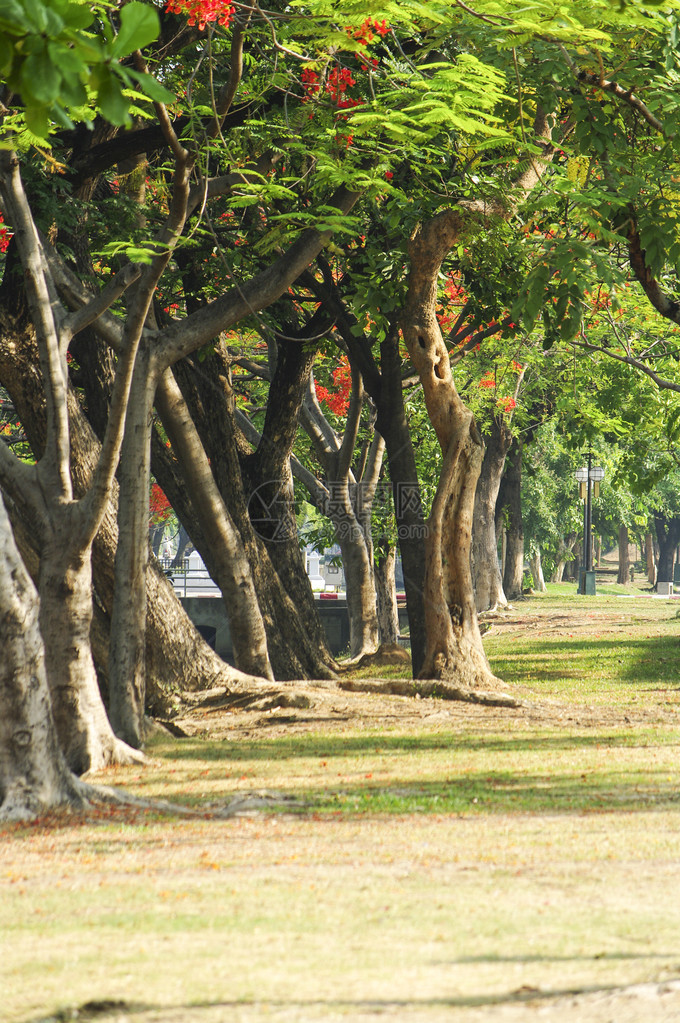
{"x": 337, "y": 401}
{"x": 5, "y": 236}
{"x": 159, "y": 506}
{"x": 200, "y": 12}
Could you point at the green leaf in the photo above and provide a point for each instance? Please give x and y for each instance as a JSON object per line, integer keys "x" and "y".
{"x": 40, "y": 78}
{"x": 112, "y": 103}
{"x": 152, "y": 88}
{"x": 6, "y": 56}
{"x": 139, "y": 26}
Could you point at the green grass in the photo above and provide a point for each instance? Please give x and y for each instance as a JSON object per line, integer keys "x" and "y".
{"x": 430, "y": 872}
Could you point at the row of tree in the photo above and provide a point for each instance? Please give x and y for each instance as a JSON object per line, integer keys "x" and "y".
{"x": 201, "y": 203}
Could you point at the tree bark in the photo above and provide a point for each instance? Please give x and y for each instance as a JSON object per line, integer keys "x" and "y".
{"x": 346, "y": 498}
{"x": 667, "y": 535}
{"x": 65, "y": 585}
{"x": 486, "y": 569}
{"x": 514, "y": 558}
{"x": 232, "y": 570}
{"x": 537, "y": 571}
{"x": 269, "y": 479}
{"x": 177, "y": 657}
{"x": 623, "y": 577}
{"x": 34, "y": 776}
{"x": 651, "y": 560}
{"x": 296, "y": 649}
{"x": 386, "y": 591}
{"x": 127, "y": 653}
{"x": 454, "y": 647}
{"x": 392, "y": 425}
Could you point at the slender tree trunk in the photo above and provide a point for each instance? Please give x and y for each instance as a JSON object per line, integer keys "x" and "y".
{"x": 623, "y": 576}
{"x": 359, "y": 586}
{"x": 514, "y": 558}
{"x": 232, "y": 570}
{"x": 386, "y": 591}
{"x": 127, "y": 670}
{"x": 33, "y": 772}
{"x": 537, "y": 571}
{"x": 183, "y": 544}
{"x": 651, "y": 561}
{"x": 486, "y": 569}
{"x": 269, "y": 480}
{"x": 296, "y": 648}
{"x": 392, "y": 425}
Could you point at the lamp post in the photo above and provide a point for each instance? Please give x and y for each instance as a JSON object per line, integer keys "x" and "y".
{"x": 589, "y": 478}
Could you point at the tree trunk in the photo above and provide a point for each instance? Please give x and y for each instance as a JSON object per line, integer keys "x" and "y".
{"x": 486, "y": 569}
{"x": 651, "y": 561}
{"x": 232, "y": 571}
{"x": 359, "y": 585}
{"x": 537, "y": 571}
{"x": 177, "y": 655}
{"x": 33, "y": 772}
{"x": 296, "y": 649}
{"x": 269, "y": 481}
{"x": 127, "y": 669}
{"x": 65, "y": 587}
{"x": 454, "y": 647}
{"x": 393, "y": 427}
{"x": 667, "y": 534}
{"x": 514, "y": 559}
{"x": 386, "y": 592}
{"x": 623, "y": 577}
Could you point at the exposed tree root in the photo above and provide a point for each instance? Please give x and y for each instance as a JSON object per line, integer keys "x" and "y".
{"x": 424, "y": 688}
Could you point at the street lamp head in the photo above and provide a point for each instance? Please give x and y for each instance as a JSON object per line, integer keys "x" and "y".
{"x": 581, "y": 474}
{"x": 597, "y": 473}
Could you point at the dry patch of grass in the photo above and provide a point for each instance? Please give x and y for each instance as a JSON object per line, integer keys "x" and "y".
{"x": 424, "y": 862}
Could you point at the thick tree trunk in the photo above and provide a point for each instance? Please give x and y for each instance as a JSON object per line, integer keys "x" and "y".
{"x": 33, "y": 772}
{"x": 454, "y": 647}
{"x": 486, "y": 569}
{"x": 623, "y": 576}
{"x": 65, "y": 587}
{"x": 386, "y": 592}
{"x": 514, "y": 558}
{"x": 667, "y": 534}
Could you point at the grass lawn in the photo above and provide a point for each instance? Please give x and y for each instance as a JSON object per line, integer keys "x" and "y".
{"x": 418, "y": 860}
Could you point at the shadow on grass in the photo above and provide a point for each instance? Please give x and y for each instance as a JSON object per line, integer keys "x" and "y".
{"x": 325, "y": 746}
{"x": 498, "y": 793}
{"x": 263, "y": 1007}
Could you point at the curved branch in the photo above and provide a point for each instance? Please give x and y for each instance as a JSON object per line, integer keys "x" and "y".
{"x": 668, "y": 307}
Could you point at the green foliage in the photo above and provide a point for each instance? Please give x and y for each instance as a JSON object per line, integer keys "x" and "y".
{"x": 62, "y": 57}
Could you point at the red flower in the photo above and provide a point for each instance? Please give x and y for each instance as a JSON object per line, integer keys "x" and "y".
{"x": 200, "y": 12}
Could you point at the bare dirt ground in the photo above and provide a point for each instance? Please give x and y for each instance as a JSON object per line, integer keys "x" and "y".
{"x": 303, "y": 707}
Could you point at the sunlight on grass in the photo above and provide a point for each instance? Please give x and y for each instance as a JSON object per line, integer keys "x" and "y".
{"x": 440, "y": 868}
